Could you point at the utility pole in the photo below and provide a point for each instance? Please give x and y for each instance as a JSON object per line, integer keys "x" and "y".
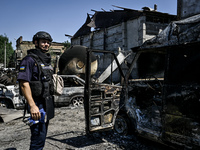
{"x": 5, "y": 56}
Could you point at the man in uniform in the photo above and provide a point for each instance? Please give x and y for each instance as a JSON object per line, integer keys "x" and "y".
{"x": 35, "y": 78}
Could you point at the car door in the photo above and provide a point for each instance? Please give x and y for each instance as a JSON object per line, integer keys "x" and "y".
{"x": 101, "y": 100}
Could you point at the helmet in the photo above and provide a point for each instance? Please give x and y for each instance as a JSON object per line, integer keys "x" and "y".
{"x": 42, "y": 35}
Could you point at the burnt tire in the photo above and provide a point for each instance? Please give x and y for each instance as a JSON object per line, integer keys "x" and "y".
{"x": 122, "y": 124}
{"x": 77, "y": 101}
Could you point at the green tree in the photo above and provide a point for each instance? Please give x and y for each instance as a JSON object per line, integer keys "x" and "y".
{"x": 67, "y": 44}
{"x": 9, "y": 51}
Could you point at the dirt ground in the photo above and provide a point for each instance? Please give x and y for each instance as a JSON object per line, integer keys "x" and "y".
{"x": 67, "y": 132}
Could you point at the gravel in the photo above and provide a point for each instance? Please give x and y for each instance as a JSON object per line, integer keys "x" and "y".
{"x": 67, "y": 132}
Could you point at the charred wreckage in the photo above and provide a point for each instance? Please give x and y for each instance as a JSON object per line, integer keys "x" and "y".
{"x": 158, "y": 96}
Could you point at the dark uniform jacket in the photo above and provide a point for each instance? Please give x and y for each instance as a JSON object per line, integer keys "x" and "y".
{"x": 36, "y": 69}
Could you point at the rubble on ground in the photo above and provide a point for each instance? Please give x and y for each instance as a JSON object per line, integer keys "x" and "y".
{"x": 67, "y": 131}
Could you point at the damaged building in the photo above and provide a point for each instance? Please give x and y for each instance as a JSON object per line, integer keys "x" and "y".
{"x": 126, "y": 28}
{"x": 119, "y": 31}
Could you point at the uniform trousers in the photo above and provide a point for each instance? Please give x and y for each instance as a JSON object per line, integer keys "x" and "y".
{"x": 38, "y": 135}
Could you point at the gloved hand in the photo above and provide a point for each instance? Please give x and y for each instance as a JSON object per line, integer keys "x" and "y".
{"x": 31, "y": 122}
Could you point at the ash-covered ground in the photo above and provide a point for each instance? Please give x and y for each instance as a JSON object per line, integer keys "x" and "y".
{"x": 67, "y": 132}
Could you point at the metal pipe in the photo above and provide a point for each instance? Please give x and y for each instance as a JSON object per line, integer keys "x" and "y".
{"x": 5, "y": 56}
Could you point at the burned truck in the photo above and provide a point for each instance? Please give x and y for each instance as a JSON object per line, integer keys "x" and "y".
{"x": 158, "y": 96}
{"x": 162, "y": 105}
{"x": 72, "y": 70}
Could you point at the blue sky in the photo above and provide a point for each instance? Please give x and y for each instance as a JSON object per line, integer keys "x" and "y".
{"x": 60, "y": 17}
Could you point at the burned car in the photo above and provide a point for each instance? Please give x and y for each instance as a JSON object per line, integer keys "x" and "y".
{"x": 72, "y": 70}
{"x": 73, "y": 91}
{"x": 10, "y": 98}
{"x": 158, "y": 97}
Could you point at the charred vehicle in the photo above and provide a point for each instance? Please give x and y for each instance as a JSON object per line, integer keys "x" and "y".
{"x": 10, "y": 98}
{"x": 101, "y": 100}
{"x": 158, "y": 95}
{"x": 162, "y": 104}
{"x": 72, "y": 70}
{"x": 73, "y": 92}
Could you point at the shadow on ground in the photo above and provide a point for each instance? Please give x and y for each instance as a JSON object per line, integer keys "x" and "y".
{"x": 78, "y": 141}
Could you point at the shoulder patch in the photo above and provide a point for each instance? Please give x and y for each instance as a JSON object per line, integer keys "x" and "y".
{"x": 42, "y": 65}
{"x": 22, "y": 68}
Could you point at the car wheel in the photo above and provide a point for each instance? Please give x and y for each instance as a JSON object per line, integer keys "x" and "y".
{"x": 6, "y": 103}
{"x": 77, "y": 101}
{"x": 2, "y": 103}
{"x": 122, "y": 124}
